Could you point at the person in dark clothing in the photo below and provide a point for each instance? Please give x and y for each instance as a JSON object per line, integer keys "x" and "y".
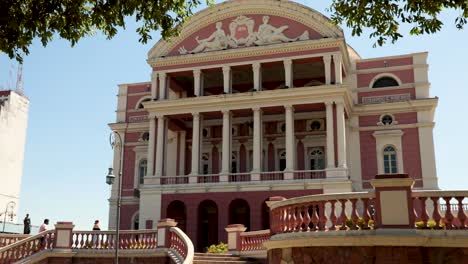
{"x": 27, "y": 225}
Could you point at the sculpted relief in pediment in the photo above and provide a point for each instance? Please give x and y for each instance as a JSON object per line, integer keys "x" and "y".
{"x": 242, "y": 34}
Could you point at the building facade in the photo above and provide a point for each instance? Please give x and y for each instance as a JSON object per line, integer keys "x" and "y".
{"x": 13, "y": 123}
{"x": 264, "y": 98}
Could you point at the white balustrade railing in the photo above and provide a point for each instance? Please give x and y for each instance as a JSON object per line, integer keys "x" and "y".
{"x": 309, "y": 174}
{"x": 181, "y": 245}
{"x": 441, "y": 209}
{"x": 102, "y": 240}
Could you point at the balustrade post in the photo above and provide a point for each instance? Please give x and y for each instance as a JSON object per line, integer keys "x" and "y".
{"x": 63, "y": 235}
{"x": 275, "y": 217}
{"x": 234, "y": 239}
{"x": 164, "y": 232}
{"x": 461, "y": 215}
{"x": 393, "y": 201}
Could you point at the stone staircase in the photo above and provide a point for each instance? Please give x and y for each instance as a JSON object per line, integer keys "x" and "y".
{"x": 205, "y": 258}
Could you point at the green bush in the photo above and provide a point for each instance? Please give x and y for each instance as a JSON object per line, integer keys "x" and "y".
{"x": 218, "y": 249}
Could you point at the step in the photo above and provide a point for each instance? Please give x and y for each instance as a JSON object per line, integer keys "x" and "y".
{"x": 221, "y": 261}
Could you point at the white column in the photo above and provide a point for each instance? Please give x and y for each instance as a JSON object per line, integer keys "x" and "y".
{"x": 290, "y": 139}
{"x": 327, "y": 65}
{"x": 154, "y": 85}
{"x": 330, "y": 136}
{"x": 257, "y": 75}
{"x": 197, "y": 82}
{"x": 288, "y": 73}
{"x": 227, "y": 79}
{"x": 160, "y": 146}
{"x": 226, "y": 148}
{"x": 150, "y": 155}
{"x": 183, "y": 138}
{"x": 162, "y": 85}
{"x": 257, "y": 140}
{"x": 338, "y": 73}
{"x": 341, "y": 135}
{"x": 195, "y": 146}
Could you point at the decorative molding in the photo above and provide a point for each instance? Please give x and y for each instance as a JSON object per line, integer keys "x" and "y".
{"x": 386, "y": 98}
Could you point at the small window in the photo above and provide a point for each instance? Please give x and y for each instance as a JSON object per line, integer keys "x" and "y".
{"x": 315, "y": 125}
{"x": 387, "y": 120}
{"x": 140, "y": 105}
{"x": 142, "y": 170}
{"x": 283, "y": 128}
{"x": 205, "y": 133}
{"x": 385, "y": 82}
{"x": 145, "y": 136}
{"x": 390, "y": 160}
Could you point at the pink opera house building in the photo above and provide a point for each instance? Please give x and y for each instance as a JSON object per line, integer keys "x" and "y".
{"x": 264, "y": 98}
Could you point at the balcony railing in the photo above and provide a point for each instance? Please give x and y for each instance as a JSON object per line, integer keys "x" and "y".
{"x": 237, "y": 177}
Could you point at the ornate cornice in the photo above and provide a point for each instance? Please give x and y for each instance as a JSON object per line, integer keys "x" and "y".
{"x": 274, "y": 49}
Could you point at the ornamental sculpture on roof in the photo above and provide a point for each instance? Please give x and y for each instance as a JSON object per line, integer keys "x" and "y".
{"x": 242, "y": 34}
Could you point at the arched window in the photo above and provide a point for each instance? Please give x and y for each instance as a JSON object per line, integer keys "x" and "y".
{"x": 140, "y": 105}
{"x": 316, "y": 159}
{"x": 390, "y": 160}
{"x": 233, "y": 163}
{"x": 282, "y": 160}
{"x": 145, "y": 136}
{"x": 385, "y": 82}
{"x": 136, "y": 221}
{"x": 142, "y": 169}
{"x": 206, "y": 163}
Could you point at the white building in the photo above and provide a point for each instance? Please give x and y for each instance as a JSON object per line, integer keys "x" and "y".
{"x": 13, "y": 122}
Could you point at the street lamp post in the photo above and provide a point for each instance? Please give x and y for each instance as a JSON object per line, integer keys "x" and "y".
{"x": 12, "y": 205}
{"x": 110, "y": 178}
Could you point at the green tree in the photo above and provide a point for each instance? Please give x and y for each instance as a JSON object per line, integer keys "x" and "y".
{"x": 21, "y": 21}
{"x": 384, "y": 17}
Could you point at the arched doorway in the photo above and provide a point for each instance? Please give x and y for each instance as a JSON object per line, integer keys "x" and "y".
{"x": 239, "y": 213}
{"x": 207, "y": 224}
{"x": 265, "y": 215}
{"x": 177, "y": 211}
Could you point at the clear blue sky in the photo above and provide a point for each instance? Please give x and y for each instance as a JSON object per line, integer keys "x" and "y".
{"x": 73, "y": 98}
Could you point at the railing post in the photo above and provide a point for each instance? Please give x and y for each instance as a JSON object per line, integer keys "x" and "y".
{"x": 164, "y": 226}
{"x": 63, "y": 235}
{"x": 273, "y": 219}
{"x": 234, "y": 239}
{"x": 393, "y": 205}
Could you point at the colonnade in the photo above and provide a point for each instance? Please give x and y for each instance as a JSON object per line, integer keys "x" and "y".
{"x": 159, "y": 79}
{"x": 157, "y": 165}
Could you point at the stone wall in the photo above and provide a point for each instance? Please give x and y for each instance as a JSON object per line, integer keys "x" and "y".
{"x": 368, "y": 255}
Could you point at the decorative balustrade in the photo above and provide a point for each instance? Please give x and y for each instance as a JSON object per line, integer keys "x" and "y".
{"x": 174, "y": 180}
{"x": 235, "y": 177}
{"x": 27, "y": 247}
{"x": 239, "y": 177}
{"x": 7, "y": 239}
{"x": 253, "y": 241}
{"x": 271, "y": 176}
{"x": 327, "y": 212}
{"x": 181, "y": 244}
{"x": 440, "y": 209}
{"x": 309, "y": 174}
{"x": 103, "y": 240}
